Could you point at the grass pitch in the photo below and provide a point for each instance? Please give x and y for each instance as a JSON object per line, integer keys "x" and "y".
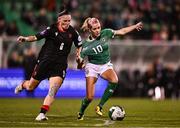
{"x": 140, "y": 113}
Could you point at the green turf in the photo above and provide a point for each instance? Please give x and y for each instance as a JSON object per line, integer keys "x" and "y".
{"x": 139, "y": 113}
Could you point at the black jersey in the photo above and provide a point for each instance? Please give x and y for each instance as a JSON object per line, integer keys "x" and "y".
{"x": 58, "y": 44}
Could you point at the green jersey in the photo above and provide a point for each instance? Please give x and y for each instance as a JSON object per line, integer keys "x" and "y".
{"x": 97, "y": 50}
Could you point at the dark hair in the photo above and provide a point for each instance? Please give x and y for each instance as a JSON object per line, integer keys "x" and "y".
{"x": 63, "y": 11}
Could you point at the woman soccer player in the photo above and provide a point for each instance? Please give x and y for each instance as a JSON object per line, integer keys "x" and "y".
{"x": 52, "y": 60}
{"x": 96, "y": 48}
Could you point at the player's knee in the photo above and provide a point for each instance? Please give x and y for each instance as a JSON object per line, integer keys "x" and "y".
{"x": 114, "y": 80}
{"x": 90, "y": 98}
{"x": 30, "y": 88}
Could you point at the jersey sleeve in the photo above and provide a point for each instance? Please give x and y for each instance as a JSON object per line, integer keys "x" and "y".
{"x": 77, "y": 39}
{"x": 43, "y": 34}
{"x": 108, "y": 33}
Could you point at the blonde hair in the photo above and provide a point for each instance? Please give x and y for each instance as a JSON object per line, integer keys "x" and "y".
{"x": 85, "y": 26}
{"x": 88, "y": 23}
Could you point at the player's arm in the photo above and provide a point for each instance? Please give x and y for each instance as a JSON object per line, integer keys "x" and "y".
{"x": 21, "y": 39}
{"x": 80, "y": 59}
{"x": 80, "y": 63}
{"x": 126, "y": 30}
{"x": 78, "y": 51}
{"x": 43, "y": 34}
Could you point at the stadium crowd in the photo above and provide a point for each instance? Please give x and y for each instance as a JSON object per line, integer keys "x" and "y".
{"x": 161, "y": 23}
{"x": 161, "y": 18}
{"x": 143, "y": 84}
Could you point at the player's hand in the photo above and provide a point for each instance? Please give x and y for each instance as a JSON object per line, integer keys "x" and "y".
{"x": 21, "y": 39}
{"x": 139, "y": 26}
{"x": 80, "y": 63}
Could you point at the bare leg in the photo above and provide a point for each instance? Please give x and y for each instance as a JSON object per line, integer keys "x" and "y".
{"x": 112, "y": 78}
{"x": 30, "y": 84}
{"x": 55, "y": 84}
{"x": 90, "y": 88}
{"x": 27, "y": 84}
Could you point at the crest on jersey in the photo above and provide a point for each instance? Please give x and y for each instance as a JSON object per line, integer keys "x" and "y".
{"x": 103, "y": 39}
{"x": 56, "y": 33}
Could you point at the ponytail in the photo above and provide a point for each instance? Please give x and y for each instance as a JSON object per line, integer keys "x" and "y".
{"x": 88, "y": 23}
{"x": 85, "y": 26}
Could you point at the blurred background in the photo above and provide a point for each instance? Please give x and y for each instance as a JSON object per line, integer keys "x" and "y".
{"x": 147, "y": 62}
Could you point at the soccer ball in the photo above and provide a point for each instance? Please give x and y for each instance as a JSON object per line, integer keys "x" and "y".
{"x": 116, "y": 113}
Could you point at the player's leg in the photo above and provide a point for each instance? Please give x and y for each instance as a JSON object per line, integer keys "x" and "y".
{"x": 112, "y": 78}
{"x": 37, "y": 75}
{"x": 28, "y": 85}
{"x": 55, "y": 83}
{"x": 90, "y": 88}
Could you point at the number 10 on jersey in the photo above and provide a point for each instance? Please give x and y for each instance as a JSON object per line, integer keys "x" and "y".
{"x": 98, "y": 49}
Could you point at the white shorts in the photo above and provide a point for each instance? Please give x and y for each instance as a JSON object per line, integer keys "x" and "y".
{"x": 94, "y": 69}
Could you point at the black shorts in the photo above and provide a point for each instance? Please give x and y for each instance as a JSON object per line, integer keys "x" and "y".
{"x": 46, "y": 69}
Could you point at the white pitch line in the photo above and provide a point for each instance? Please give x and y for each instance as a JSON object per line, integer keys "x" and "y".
{"x": 106, "y": 122}
{"x": 62, "y": 124}
{"x": 40, "y": 123}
